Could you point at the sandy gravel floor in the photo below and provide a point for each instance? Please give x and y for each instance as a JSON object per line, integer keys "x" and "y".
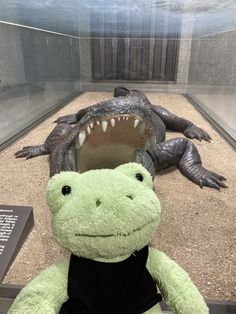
{"x": 197, "y": 227}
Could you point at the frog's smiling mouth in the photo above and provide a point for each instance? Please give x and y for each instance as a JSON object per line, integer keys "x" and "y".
{"x": 112, "y": 235}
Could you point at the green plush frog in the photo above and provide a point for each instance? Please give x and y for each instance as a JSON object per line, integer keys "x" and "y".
{"x": 106, "y": 218}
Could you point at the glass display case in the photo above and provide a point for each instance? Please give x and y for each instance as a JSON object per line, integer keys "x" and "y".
{"x": 57, "y": 57}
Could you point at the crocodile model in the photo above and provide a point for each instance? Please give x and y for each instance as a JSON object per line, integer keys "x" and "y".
{"x": 124, "y": 129}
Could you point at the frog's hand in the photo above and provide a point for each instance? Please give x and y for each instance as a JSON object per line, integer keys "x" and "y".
{"x": 45, "y": 294}
{"x": 176, "y": 287}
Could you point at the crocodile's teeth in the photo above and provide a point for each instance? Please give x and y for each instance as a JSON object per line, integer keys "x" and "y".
{"x": 88, "y": 129}
{"x": 104, "y": 126}
{"x": 127, "y": 118}
{"x": 91, "y": 125}
{"x": 136, "y": 122}
{"x": 123, "y": 118}
{"x": 82, "y": 138}
{"x": 118, "y": 119}
{"x": 113, "y": 122}
{"x": 98, "y": 122}
{"x": 142, "y": 127}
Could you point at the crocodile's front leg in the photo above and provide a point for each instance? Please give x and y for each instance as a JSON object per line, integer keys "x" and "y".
{"x": 175, "y": 285}
{"x": 70, "y": 119}
{"x": 54, "y": 137}
{"x": 75, "y": 118}
{"x": 183, "y": 153}
{"x": 178, "y": 124}
{"x": 32, "y": 151}
{"x": 44, "y": 294}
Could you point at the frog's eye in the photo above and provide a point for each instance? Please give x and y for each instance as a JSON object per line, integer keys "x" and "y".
{"x": 66, "y": 190}
{"x": 136, "y": 172}
{"x": 139, "y": 176}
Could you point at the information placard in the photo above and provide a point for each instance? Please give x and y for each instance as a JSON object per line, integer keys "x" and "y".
{"x": 15, "y": 224}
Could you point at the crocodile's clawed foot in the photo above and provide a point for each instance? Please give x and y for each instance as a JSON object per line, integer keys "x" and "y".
{"x": 194, "y": 132}
{"x": 70, "y": 119}
{"x": 204, "y": 177}
{"x": 28, "y": 152}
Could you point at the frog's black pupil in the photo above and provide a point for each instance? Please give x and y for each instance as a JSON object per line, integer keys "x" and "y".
{"x": 139, "y": 176}
{"x": 66, "y": 190}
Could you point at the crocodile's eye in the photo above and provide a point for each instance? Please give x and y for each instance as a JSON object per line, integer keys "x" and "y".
{"x": 66, "y": 190}
{"x": 139, "y": 176}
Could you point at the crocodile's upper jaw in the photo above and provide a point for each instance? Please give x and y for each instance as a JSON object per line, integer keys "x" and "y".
{"x": 112, "y": 140}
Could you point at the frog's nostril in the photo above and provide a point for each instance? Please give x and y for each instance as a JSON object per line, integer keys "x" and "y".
{"x": 130, "y": 196}
{"x": 98, "y": 202}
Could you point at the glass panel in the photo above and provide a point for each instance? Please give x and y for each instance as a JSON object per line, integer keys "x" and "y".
{"x": 212, "y": 78}
{"x": 39, "y": 71}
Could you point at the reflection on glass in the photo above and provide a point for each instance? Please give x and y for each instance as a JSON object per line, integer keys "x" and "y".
{"x": 185, "y": 44}
{"x": 39, "y": 70}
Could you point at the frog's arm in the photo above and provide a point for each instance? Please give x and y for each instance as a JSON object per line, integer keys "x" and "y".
{"x": 175, "y": 285}
{"x": 46, "y": 293}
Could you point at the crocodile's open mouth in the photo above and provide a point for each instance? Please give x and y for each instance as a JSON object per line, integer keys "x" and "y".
{"x": 110, "y": 141}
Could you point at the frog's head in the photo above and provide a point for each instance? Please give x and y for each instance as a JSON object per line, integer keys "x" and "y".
{"x": 104, "y": 213}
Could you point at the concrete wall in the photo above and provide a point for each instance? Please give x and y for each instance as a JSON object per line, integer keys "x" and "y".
{"x": 11, "y": 59}
{"x": 50, "y": 57}
{"x": 213, "y": 59}
{"x": 28, "y": 56}
{"x": 85, "y": 45}
{"x": 184, "y": 44}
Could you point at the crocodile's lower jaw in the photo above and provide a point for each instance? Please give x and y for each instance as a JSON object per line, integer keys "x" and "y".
{"x": 104, "y": 156}
{"x": 116, "y": 146}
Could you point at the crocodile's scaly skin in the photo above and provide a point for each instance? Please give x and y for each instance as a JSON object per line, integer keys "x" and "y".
{"x": 179, "y": 152}
{"x": 175, "y": 123}
{"x": 182, "y": 153}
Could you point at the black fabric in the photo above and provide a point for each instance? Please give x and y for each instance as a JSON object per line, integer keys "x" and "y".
{"x": 125, "y": 287}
